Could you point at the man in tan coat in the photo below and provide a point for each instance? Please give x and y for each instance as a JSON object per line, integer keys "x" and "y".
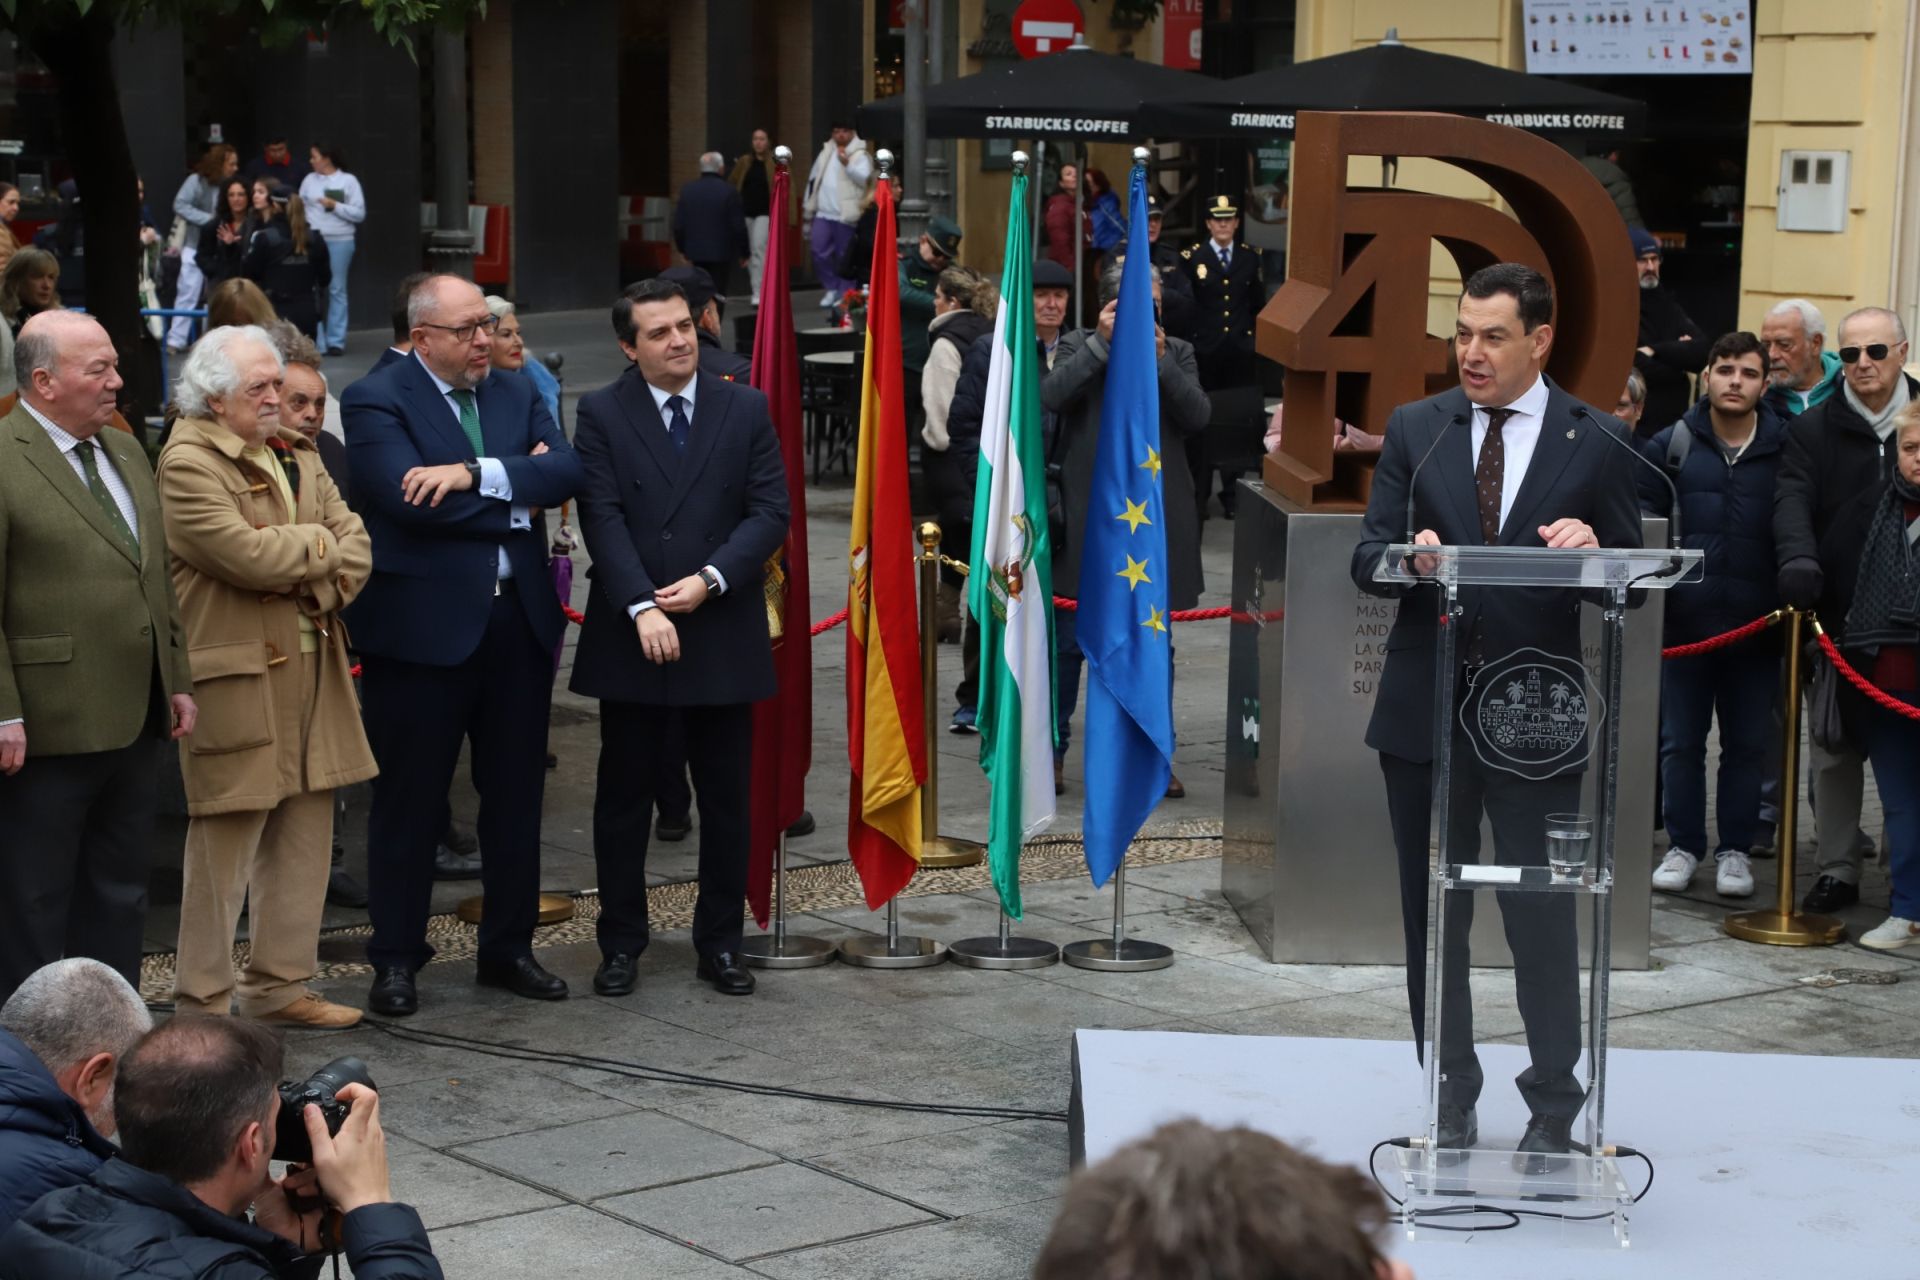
{"x": 93, "y": 667}
{"x": 265, "y": 554}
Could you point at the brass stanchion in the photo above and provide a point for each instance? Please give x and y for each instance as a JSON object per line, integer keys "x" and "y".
{"x": 936, "y": 851}
{"x": 1783, "y": 926}
{"x": 554, "y": 907}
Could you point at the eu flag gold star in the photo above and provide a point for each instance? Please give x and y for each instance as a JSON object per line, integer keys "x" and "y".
{"x": 1135, "y": 515}
{"x": 1152, "y": 463}
{"x": 1155, "y": 619}
{"x": 1135, "y": 573}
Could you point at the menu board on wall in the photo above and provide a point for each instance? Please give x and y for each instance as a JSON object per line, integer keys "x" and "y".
{"x": 1634, "y": 37}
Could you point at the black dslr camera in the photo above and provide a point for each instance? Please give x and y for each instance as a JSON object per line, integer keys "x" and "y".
{"x": 290, "y": 1141}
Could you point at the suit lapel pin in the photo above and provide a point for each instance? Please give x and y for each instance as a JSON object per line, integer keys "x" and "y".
{"x": 1570, "y": 435}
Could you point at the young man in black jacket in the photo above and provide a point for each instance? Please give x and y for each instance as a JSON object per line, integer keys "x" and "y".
{"x": 198, "y": 1106}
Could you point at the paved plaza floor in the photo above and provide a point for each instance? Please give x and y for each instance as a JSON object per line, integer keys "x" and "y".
{"x": 554, "y": 1167}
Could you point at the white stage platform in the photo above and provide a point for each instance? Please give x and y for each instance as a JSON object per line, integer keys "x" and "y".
{"x": 1769, "y": 1164}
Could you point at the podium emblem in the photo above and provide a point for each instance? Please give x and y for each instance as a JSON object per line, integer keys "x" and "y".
{"x": 1531, "y": 713}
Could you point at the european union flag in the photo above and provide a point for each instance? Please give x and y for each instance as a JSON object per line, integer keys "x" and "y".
{"x": 1122, "y": 624}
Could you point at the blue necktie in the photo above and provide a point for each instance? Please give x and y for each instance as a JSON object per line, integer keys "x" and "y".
{"x": 677, "y": 425}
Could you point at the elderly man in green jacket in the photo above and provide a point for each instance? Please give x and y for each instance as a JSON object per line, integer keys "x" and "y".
{"x": 93, "y": 666}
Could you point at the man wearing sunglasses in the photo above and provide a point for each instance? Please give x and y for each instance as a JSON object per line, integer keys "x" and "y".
{"x": 1839, "y": 454}
{"x": 457, "y": 628}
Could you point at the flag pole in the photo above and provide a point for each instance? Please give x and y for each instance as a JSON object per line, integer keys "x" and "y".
{"x": 1119, "y": 952}
{"x": 938, "y": 852}
{"x": 779, "y": 949}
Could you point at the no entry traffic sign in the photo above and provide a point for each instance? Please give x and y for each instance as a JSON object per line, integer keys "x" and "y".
{"x": 1046, "y": 26}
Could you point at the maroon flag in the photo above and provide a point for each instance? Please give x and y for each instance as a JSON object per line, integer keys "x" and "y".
{"x": 783, "y": 724}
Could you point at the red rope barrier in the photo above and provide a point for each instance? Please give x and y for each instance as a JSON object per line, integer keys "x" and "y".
{"x": 1724, "y": 639}
{"x": 573, "y": 615}
{"x": 828, "y": 624}
{"x": 1860, "y": 682}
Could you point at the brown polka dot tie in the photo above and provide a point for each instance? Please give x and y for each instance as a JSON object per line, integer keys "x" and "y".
{"x": 1489, "y": 474}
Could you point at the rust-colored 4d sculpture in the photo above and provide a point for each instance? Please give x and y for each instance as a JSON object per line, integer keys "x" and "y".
{"x": 1350, "y": 323}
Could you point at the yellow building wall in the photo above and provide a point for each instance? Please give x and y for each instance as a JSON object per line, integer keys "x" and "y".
{"x": 1829, "y": 75}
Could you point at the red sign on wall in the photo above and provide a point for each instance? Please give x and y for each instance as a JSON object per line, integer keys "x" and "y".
{"x": 1046, "y": 26}
{"x": 1180, "y": 34}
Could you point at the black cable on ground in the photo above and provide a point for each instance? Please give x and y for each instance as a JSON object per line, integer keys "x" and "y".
{"x": 667, "y": 1075}
{"x": 1512, "y": 1216}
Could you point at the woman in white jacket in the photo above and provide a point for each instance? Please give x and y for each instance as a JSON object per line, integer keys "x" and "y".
{"x": 194, "y": 205}
{"x": 335, "y": 208}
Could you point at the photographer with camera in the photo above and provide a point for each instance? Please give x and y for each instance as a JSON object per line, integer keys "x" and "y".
{"x": 199, "y": 1108}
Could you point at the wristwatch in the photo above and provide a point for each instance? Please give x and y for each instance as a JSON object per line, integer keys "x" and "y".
{"x": 712, "y": 579}
{"x": 473, "y": 474}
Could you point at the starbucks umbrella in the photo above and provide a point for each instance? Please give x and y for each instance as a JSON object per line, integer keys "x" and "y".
{"x": 1075, "y": 93}
{"x": 1391, "y": 76}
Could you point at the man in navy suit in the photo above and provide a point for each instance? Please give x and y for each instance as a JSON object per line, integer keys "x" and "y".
{"x": 457, "y": 628}
{"x": 1515, "y": 461}
{"x": 683, "y": 501}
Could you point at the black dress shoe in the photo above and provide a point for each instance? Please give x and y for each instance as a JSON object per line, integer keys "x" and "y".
{"x": 802, "y": 825}
{"x": 524, "y": 977}
{"x": 615, "y": 975}
{"x": 1830, "y": 894}
{"x": 449, "y": 864}
{"x": 1544, "y": 1146}
{"x": 343, "y": 890}
{"x": 724, "y": 970}
{"x": 665, "y": 828}
{"x": 461, "y": 840}
{"x": 393, "y": 993}
{"x": 1459, "y": 1129}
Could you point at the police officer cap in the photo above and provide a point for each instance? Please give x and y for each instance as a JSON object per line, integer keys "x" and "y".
{"x": 1048, "y": 274}
{"x": 945, "y": 234}
{"x": 695, "y": 283}
{"x": 1222, "y": 207}
{"x": 1153, "y": 207}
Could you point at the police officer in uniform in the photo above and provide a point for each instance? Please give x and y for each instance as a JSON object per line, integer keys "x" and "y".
{"x": 1228, "y": 292}
{"x": 1177, "y": 308}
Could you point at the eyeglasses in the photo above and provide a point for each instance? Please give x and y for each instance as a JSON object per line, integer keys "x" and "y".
{"x": 464, "y": 332}
{"x": 1875, "y": 351}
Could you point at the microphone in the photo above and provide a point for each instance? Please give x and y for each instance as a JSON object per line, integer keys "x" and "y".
{"x": 1452, "y": 422}
{"x": 1673, "y": 493}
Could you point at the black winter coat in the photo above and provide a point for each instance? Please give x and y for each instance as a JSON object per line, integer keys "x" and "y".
{"x": 294, "y": 282}
{"x": 709, "y": 224}
{"x": 950, "y": 474}
{"x": 1679, "y": 349}
{"x": 46, "y": 1141}
{"x": 129, "y": 1224}
{"x": 1727, "y": 512}
{"x": 1832, "y": 474}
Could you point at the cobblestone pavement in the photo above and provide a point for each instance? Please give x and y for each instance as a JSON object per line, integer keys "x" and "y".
{"x": 548, "y": 1168}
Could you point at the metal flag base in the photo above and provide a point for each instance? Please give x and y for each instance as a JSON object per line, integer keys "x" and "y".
{"x": 1792, "y": 929}
{"x": 1004, "y": 951}
{"x": 1119, "y": 953}
{"x": 943, "y": 853}
{"x": 778, "y": 949}
{"x": 892, "y": 951}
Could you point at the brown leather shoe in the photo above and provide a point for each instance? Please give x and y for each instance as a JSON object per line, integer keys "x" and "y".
{"x": 1059, "y": 778}
{"x": 1176, "y": 790}
{"x": 315, "y": 1011}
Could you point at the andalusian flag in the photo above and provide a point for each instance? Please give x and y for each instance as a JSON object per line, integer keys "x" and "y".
{"x": 886, "y": 726}
{"x": 1010, "y": 585}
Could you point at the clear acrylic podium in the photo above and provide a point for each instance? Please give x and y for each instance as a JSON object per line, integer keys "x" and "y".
{"x": 1540, "y": 716}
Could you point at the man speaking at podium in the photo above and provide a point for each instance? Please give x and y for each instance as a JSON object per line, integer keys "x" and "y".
{"x": 1512, "y": 460}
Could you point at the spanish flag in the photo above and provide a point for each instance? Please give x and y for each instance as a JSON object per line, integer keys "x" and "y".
{"x": 886, "y": 729}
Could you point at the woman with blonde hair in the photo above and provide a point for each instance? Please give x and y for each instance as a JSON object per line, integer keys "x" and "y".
{"x": 238, "y": 301}
{"x": 287, "y": 259}
{"x": 30, "y": 285}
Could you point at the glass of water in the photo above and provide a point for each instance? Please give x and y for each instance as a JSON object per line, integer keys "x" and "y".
{"x": 1569, "y": 844}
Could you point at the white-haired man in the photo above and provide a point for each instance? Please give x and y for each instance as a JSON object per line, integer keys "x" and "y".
{"x": 93, "y": 681}
{"x": 710, "y": 222}
{"x": 265, "y": 555}
{"x": 62, "y": 1036}
{"x": 1801, "y": 372}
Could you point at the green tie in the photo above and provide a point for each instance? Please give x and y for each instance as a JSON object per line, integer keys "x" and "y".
{"x": 470, "y": 421}
{"x": 98, "y": 486}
